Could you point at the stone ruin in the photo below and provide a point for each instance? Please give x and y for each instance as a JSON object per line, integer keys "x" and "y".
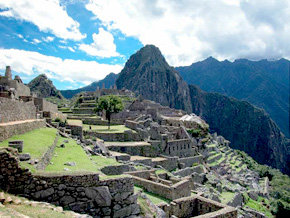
{"x": 18, "y": 105}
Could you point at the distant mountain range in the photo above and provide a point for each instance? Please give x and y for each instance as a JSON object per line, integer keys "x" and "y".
{"x": 247, "y": 127}
{"x": 263, "y": 83}
{"x": 43, "y": 87}
{"x": 108, "y": 81}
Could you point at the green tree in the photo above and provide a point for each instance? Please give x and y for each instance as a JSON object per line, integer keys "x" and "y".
{"x": 110, "y": 104}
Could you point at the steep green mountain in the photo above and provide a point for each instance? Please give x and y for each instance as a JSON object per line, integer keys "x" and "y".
{"x": 108, "y": 81}
{"x": 248, "y": 128}
{"x": 44, "y": 87}
{"x": 262, "y": 83}
{"x": 147, "y": 73}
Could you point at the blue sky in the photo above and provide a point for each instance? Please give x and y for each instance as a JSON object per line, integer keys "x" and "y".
{"x": 77, "y": 42}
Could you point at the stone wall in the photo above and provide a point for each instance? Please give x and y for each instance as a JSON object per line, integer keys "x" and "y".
{"x": 140, "y": 150}
{"x": 168, "y": 163}
{"x": 14, "y": 110}
{"x": 98, "y": 121}
{"x": 54, "y": 115}
{"x": 189, "y": 161}
{"x": 180, "y": 148}
{"x": 188, "y": 171}
{"x": 117, "y": 170}
{"x": 82, "y": 193}
{"x": 8, "y": 130}
{"x": 20, "y": 88}
{"x": 43, "y": 105}
{"x": 83, "y": 111}
{"x": 115, "y": 137}
{"x": 76, "y": 130}
{"x": 178, "y": 190}
{"x": 197, "y": 206}
{"x": 46, "y": 157}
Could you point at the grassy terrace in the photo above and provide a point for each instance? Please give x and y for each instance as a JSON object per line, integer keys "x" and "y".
{"x": 218, "y": 162}
{"x": 36, "y": 142}
{"x": 257, "y": 205}
{"x": 74, "y": 153}
{"x": 156, "y": 199}
{"x": 104, "y": 129}
{"x": 74, "y": 122}
{"x": 227, "y": 196}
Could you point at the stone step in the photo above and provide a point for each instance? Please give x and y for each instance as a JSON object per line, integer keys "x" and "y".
{"x": 214, "y": 158}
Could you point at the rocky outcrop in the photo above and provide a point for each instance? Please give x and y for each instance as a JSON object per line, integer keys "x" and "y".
{"x": 147, "y": 73}
{"x": 43, "y": 87}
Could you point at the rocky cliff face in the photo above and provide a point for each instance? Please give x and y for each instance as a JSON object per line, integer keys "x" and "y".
{"x": 108, "y": 81}
{"x": 44, "y": 87}
{"x": 246, "y": 126}
{"x": 263, "y": 83}
{"x": 148, "y": 74}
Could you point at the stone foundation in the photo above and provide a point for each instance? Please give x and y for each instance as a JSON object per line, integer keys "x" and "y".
{"x": 162, "y": 188}
{"x": 81, "y": 192}
{"x": 197, "y": 206}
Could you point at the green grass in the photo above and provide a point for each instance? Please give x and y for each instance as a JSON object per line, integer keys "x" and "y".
{"x": 211, "y": 146}
{"x": 36, "y": 142}
{"x": 74, "y": 122}
{"x": 35, "y": 211}
{"x": 156, "y": 199}
{"x": 104, "y": 129}
{"x": 64, "y": 109}
{"x": 71, "y": 153}
{"x": 217, "y": 162}
{"x": 101, "y": 161}
{"x": 74, "y": 153}
{"x": 145, "y": 210}
{"x": 227, "y": 196}
{"x": 257, "y": 205}
{"x": 213, "y": 156}
{"x": 160, "y": 171}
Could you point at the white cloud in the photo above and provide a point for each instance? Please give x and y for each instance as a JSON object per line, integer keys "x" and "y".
{"x": 48, "y": 39}
{"x": 191, "y": 30}
{"x": 103, "y": 45}
{"x": 71, "y": 49}
{"x": 36, "y": 41}
{"x": 47, "y": 15}
{"x": 34, "y": 63}
{"x": 20, "y": 36}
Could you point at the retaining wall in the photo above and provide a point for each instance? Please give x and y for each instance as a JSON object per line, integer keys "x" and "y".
{"x": 8, "y": 130}
{"x": 140, "y": 150}
{"x": 115, "y": 137}
{"x": 82, "y": 193}
{"x": 14, "y": 110}
{"x": 189, "y": 161}
{"x": 46, "y": 157}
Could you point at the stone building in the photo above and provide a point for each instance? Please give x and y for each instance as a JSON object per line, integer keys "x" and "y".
{"x": 12, "y": 88}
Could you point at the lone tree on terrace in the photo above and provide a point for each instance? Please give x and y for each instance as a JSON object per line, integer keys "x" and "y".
{"x": 110, "y": 104}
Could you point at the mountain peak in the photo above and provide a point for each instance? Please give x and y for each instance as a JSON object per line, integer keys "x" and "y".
{"x": 147, "y": 73}
{"x": 44, "y": 87}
